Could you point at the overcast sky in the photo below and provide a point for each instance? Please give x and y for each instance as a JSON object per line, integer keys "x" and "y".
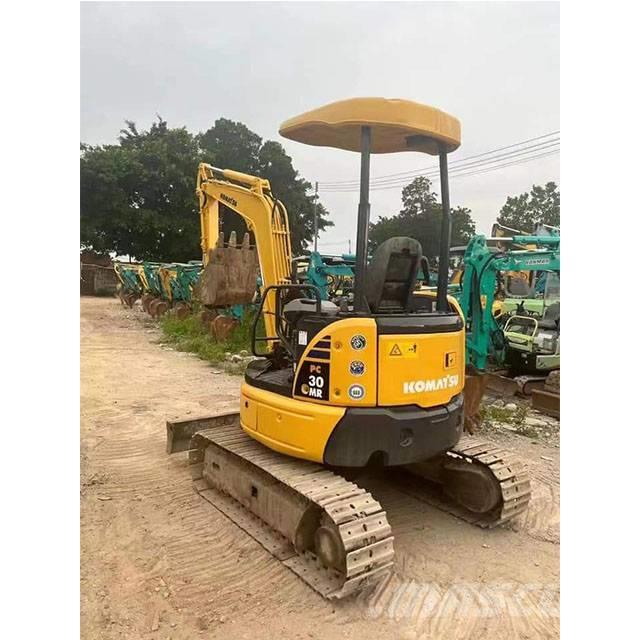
{"x": 495, "y": 66}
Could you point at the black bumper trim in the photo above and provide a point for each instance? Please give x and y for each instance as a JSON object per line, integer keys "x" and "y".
{"x": 394, "y": 435}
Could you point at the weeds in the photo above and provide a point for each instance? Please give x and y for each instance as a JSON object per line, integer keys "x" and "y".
{"x": 191, "y": 335}
{"x": 494, "y": 415}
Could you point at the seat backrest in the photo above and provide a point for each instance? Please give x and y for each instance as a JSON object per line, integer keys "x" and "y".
{"x": 391, "y": 275}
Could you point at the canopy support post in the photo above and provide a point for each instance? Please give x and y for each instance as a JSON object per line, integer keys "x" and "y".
{"x": 362, "y": 240}
{"x": 445, "y": 234}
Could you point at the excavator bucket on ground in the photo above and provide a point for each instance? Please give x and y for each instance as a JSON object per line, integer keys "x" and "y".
{"x": 130, "y": 283}
{"x": 474, "y": 388}
{"x": 230, "y": 274}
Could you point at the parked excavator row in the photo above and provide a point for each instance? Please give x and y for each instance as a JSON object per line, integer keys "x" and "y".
{"x": 511, "y": 343}
{"x": 376, "y": 382}
{"x": 226, "y": 282}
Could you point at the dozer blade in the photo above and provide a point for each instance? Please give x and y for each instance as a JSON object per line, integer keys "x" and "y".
{"x": 327, "y": 530}
{"x": 230, "y": 275}
{"x": 474, "y": 388}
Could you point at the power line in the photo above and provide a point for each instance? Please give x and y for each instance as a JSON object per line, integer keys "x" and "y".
{"x": 475, "y": 172}
{"x": 509, "y": 164}
{"x": 488, "y": 169}
{"x": 526, "y": 151}
{"x": 469, "y": 170}
{"x": 451, "y": 164}
{"x": 434, "y": 172}
{"x": 454, "y": 163}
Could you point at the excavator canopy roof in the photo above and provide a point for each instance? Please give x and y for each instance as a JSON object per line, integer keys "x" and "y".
{"x": 396, "y": 125}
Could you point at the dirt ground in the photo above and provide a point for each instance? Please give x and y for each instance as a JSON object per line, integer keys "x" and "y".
{"x": 158, "y": 562}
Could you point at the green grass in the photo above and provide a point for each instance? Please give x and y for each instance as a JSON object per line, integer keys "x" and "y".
{"x": 491, "y": 413}
{"x": 191, "y": 335}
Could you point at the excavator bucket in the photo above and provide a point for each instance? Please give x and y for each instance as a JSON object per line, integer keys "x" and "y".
{"x": 230, "y": 275}
{"x": 474, "y": 388}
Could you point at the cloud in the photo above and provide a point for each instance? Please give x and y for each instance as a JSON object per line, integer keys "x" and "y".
{"x": 493, "y": 65}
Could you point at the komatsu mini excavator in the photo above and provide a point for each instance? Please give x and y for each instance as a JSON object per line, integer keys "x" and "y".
{"x": 376, "y": 383}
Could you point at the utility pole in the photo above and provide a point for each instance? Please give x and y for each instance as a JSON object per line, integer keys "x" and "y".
{"x": 349, "y": 246}
{"x": 315, "y": 219}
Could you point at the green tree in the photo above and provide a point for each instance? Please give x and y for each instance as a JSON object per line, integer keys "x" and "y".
{"x": 231, "y": 145}
{"x": 137, "y": 197}
{"x": 528, "y": 210}
{"x": 420, "y": 218}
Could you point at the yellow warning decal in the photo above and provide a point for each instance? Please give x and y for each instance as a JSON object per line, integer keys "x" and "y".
{"x": 404, "y": 349}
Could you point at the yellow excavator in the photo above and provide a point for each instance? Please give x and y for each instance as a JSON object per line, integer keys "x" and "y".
{"x": 376, "y": 384}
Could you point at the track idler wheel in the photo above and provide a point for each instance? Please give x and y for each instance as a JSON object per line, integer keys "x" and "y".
{"x": 472, "y": 486}
{"x": 329, "y": 547}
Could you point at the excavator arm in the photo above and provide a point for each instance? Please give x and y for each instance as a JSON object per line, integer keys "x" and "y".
{"x": 266, "y": 217}
{"x": 481, "y": 268}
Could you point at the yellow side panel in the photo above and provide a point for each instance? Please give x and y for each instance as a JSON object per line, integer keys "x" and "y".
{"x": 248, "y": 414}
{"x": 292, "y": 427}
{"x": 423, "y": 369}
{"x": 354, "y": 350}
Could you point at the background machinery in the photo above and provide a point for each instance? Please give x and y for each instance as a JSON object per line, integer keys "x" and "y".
{"x": 333, "y": 275}
{"x": 131, "y": 285}
{"x": 483, "y": 266}
{"x": 521, "y": 339}
{"x": 378, "y": 383}
{"x": 178, "y": 283}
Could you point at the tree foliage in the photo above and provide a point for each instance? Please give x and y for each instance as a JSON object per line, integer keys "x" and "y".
{"x": 231, "y": 145}
{"x": 528, "y": 210}
{"x": 137, "y": 197}
{"x": 421, "y": 218}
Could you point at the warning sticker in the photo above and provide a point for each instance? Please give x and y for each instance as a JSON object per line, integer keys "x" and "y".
{"x": 404, "y": 349}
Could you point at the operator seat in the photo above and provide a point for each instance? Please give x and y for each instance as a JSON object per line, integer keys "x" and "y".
{"x": 392, "y": 274}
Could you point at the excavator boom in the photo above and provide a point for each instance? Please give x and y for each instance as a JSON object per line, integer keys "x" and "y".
{"x": 228, "y": 273}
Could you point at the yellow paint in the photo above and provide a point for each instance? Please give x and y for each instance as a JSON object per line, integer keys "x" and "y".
{"x": 343, "y": 354}
{"x": 431, "y": 367}
{"x": 403, "y": 349}
{"x": 396, "y": 125}
{"x": 251, "y": 198}
{"x": 293, "y": 427}
{"x": 165, "y": 274}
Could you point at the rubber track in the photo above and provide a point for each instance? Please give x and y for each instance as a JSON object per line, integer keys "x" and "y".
{"x": 359, "y": 518}
{"x": 508, "y": 470}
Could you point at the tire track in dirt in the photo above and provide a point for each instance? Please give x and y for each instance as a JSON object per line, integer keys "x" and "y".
{"x": 155, "y": 536}
{"x": 222, "y": 558}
